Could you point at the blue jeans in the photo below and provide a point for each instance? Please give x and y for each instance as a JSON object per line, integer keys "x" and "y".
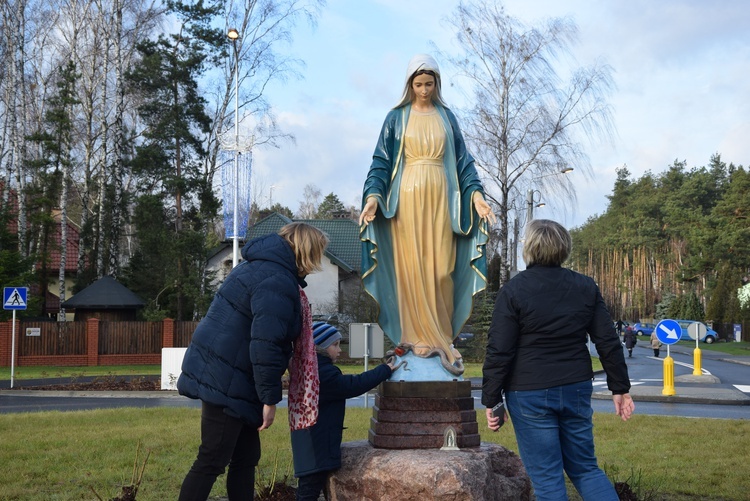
{"x": 555, "y": 433}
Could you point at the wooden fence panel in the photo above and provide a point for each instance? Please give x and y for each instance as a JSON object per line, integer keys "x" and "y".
{"x": 183, "y": 333}
{"x": 130, "y": 338}
{"x": 55, "y": 338}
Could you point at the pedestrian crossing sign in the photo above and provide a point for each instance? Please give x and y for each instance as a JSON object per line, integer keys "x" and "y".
{"x": 14, "y": 298}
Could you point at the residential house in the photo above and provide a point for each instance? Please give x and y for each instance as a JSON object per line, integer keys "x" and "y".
{"x": 341, "y": 265}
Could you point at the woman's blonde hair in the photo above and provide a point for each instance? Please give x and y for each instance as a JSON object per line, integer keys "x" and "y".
{"x": 308, "y": 244}
{"x": 547, "y": 243}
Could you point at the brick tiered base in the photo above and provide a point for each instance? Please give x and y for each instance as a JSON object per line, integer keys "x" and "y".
{"x": 416, "y": 415}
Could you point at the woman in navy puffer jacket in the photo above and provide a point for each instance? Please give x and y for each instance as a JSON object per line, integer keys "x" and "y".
{"x": 240, "y": 351}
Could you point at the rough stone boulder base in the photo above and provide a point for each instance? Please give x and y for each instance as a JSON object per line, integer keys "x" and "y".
{"x": 488, "y": 472}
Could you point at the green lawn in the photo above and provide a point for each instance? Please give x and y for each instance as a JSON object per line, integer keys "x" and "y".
{"x": 62, "y": 456}
{"x": 472, "y": 369}
{"x": 734, "y": 348}
{"x": 43, "y": 372}
{"x": 33, "y": 372}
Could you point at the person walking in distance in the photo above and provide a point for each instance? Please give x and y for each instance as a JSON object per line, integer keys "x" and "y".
{"x": 655, "y": 344}
{"x": 630, "y": 340}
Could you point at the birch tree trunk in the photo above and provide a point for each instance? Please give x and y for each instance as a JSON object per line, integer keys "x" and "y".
{"x": 119, "y": 147}
{"x": 18, "y": 132}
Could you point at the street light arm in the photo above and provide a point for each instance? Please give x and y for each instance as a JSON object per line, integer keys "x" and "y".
{"x": 530, "y": 202}
{"x": 564, "y": 171}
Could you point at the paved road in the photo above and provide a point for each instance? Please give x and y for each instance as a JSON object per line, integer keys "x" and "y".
{"x": 719, "y": 393}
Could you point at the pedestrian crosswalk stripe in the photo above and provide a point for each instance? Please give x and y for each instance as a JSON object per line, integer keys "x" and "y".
{"x": 743, "y": 387}
{"x": 599, "y": 382}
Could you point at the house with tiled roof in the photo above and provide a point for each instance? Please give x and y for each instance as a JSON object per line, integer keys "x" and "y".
{"x": 341, "y": 265}
{"x": 51, "y": 302}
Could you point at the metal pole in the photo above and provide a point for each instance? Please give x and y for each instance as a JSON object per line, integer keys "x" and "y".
{"x": 13, "y": 350}
{"x": 236, "y": 243}
{"x": 514, "y": 261}
{"x": 529, "y": 206}
{"x": 367, "y": 356}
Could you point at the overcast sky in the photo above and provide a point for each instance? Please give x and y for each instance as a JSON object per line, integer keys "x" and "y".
{"x": 681, "y": 67}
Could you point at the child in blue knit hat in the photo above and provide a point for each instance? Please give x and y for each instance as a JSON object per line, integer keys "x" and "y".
{"x": 317, "y": 450}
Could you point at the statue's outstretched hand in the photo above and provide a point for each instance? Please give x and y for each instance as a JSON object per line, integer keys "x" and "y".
{"x": 483, "y": 209}
{"x": 368, "y": 213}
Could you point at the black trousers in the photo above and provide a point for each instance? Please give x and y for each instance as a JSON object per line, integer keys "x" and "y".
{"x": 310, "y": 486}
{"x": 224, "y": 441}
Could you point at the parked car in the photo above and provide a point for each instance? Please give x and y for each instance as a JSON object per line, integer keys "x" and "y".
{"x": 463, "y": 339}
{"x": 644, "y": 328}
{"x": 710, "y": 336}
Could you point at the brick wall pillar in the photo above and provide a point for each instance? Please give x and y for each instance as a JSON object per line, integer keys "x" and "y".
{"x": 92, "y": 341}
{"x": 5, "y": 343}
{"x": 167, "y": 333}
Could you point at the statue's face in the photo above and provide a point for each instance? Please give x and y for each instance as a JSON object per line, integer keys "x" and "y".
{"x": 423, "y": 86}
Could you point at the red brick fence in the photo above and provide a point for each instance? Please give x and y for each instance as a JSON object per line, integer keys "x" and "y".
{"x": 92, "y": 342}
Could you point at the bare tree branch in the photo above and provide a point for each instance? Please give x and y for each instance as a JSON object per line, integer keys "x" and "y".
{"x": 525, "y": 125}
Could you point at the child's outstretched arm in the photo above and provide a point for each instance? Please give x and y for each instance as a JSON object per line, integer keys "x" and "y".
{"x": 338, "y": 385}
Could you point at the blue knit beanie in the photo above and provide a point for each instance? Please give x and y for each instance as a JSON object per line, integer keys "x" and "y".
{"x": 324, "y": 335}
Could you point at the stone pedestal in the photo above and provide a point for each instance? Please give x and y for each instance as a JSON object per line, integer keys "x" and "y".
{"x": 486, "y": 473}
{"x": 417, "y": 415}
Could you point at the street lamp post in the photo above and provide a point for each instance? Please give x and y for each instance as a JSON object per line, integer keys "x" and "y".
{"x": 233, "y": 35}
{"x": 530, "y": 202}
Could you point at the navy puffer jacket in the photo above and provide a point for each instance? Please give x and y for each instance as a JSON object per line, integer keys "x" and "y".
{"x": 318, "y": 448}
{"x": 242, "y": 347}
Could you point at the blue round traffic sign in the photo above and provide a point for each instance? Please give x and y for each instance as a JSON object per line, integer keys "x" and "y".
{"x": 668, "y": 331}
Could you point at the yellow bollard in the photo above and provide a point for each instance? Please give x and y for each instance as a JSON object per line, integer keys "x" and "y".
{"x": 668, "y": 376}
{"x": 697, "y": 362}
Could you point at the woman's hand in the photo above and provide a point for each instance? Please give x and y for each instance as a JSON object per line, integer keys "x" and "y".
{"x": 624, "y": 405}
{"x": 368, "y": 213}
{"x": 269, "y": 413}
{"x": 483, "y": 208}
{"x": 493, "y": 422}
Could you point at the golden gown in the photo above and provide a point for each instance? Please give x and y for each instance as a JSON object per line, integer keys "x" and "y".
{"x": 423, "y": 242}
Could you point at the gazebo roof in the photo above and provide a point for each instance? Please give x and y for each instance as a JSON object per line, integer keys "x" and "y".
{"x": 105, "y": 293}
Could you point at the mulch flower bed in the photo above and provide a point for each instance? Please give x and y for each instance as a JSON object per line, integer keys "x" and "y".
{"x": 107, "y": 383}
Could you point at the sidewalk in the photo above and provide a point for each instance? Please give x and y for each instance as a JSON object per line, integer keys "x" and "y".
{"x": 707, "y": 394}
{"x": 689, "y": 389}
{"x": 701, "y": 390}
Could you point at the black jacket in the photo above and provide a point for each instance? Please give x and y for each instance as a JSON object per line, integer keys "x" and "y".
{"x": 318, "y": 448}
{"x": 241, "y": 348}
{"x": 537, "y": 338}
